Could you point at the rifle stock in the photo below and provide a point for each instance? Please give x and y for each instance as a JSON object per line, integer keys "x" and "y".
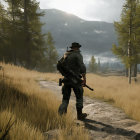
{"x": 62, "y": 81}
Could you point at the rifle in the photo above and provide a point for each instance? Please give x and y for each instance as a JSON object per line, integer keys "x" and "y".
{"x": 89, "y": 87}
{"x": 63, "y": 81}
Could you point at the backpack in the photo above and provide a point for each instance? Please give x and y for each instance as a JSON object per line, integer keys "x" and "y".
{"x": 60, "y": 65}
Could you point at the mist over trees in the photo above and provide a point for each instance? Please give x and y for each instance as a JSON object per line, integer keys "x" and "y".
{"x": 128, "y": 30}
{"x": 21, "y": 40}
{"x": 111, "y": 68}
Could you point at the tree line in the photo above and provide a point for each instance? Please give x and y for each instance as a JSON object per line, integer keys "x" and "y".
{"x": 128, "y": 31}
{"x": 21, "y": 39}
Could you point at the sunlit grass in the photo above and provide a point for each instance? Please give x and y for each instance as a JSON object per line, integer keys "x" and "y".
{"x": 32, "y": 109}
{"x": 116, "y": 90}
{"x": 113, "y": 89}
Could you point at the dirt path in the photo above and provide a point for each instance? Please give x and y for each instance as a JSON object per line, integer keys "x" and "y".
{"x": 104, "y": 122}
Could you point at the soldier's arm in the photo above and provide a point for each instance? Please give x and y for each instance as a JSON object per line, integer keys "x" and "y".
{"x": 81, "y": 65}
{"x": 82, "y": 68}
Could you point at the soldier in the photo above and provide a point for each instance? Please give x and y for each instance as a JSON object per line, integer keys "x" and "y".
{"x": 75, "y": 63}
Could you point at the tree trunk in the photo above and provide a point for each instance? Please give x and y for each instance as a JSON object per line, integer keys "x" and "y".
{"x": 130, "y": 67}
{"x": 14, "y": 53}
{"x": 27, "y": 38}
{"x": 126, "y": 72}
{"x": 129, "y": 73}
{"x": 135, "y": 70}
{"x": 130, "y": 45}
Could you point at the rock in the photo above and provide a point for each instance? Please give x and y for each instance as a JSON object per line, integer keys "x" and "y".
{"x": 79, "y": 123}
{"x": 52, "y": 134}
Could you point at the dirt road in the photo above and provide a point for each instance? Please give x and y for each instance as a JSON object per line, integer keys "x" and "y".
{"x": 104, "y": 122}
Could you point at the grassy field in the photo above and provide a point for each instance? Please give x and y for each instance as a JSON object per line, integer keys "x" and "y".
{"x": 26, "y": 110}
{"x": 115, "y": 90}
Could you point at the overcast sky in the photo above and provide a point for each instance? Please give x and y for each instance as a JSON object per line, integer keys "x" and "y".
{"x": 102, "y": 10}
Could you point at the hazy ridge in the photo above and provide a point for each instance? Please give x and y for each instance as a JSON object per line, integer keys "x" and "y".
{"x": 96, "y": 37}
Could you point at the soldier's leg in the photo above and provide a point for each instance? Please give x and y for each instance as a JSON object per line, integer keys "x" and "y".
{"x": 66, "y": 91}
{"x": 79, "y": 96}
{"x": 79, "y": 102}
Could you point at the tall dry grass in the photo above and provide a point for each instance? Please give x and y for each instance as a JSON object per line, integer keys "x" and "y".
{"x": 33, "y": 110}
{"x": 116, "y": 90}
{"x": 113, "y": 89}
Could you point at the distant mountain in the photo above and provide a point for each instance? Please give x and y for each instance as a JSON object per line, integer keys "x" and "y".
{"x": 95, "y": 37}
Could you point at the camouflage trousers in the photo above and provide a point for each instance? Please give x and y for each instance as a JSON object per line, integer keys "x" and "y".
{"x": 66, "y": 91}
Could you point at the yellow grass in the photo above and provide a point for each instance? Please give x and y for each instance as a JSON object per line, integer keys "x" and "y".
{"x": 32, "y": 109}
{"x": 114, "y": 89}
{"x": 117, "y": 90}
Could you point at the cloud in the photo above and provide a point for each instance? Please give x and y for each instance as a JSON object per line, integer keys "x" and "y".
{"x": 104, "y": 10}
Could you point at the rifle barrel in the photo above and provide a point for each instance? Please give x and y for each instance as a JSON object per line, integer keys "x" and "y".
{"x": 89, "y": 88}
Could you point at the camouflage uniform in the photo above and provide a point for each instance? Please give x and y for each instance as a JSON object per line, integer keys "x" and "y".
{"x": 74, "y": 63}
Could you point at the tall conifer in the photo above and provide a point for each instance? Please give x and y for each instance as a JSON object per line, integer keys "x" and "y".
{"x": 127, "y": 33}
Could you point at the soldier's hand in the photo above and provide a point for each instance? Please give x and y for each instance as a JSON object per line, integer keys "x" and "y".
{"x": 83, "y": 83}
{"x": 84, "y": 79}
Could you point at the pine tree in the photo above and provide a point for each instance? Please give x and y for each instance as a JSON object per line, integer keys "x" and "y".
{"x": 33, "y": 38}
{"x": 23, "y": 43}
{"x": 51, "y": 54}
{"x": 137, "y": 37}
{"x": 92, "y": 65}
{"x": 2, "y": 30}
{"x": 13, "y": 31}
{"x": 99, "y": 65}
{"x": 126, "y": 29}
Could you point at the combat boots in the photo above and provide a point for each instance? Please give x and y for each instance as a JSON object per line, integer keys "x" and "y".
{"x": 80, "y": 115}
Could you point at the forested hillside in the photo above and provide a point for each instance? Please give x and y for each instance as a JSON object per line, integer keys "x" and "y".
{"x": 96, "y": 37}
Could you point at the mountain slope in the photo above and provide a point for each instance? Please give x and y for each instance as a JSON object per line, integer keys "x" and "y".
{"x": 96, "y": 37}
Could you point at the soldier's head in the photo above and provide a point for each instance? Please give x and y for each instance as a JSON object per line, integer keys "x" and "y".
{"x": 75, "y": 46}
